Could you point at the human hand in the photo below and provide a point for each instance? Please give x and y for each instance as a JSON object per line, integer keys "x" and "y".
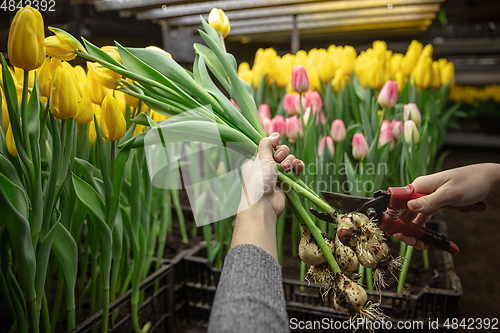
{"x": 262, "y": 200}
{"x": 260, "y": 176}
{"x": 456, "y": 187}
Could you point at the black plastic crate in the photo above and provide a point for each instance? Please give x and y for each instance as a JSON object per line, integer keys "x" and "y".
{"x": 158, "y": 305}
{"x": 305, "y": 303}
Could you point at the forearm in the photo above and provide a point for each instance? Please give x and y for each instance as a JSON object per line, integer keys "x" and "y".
{"x": 257, "y": 226}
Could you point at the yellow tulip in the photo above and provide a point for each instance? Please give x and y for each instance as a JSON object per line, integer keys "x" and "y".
{"x": 422, "y": 74}
{"x": 10, "y": 142}
{"x": 5, "y": 113}
{"x": 92, "y": 131}
{"x": 96, "y": 90}
{"x": 400, "y": 80}
{"x": 258, "y": 71}
{"x": 326, "y": 69}
{"x": 284, "y": 70}
{"x": 301, "y": 58}
{"x": 339, "y": 80}
{"x": 85, "y": 112}
{"x": 375, "y": 75}
{"x": 112, "y": 122}
{"x": 74, "y": 77}
{"x": 379, "y": 50}
{"x": 45, "y": 75}
{"x": 347, "y": 59}
{"x": 19, "y": 79}
{"x": 26, "y": 39}
{"x": 56, "y": 49}
{"x": 427, "y": 51}
{"x": 80, "y": 74}
{"x": 219, "y": 21}
{"x": 113, "y": 52}
{"x": 155, "y": 48}
{"x": 120, "y": 99}
{"x": 448, "y": 73}
{"x": 105, "y": 76}
{"x": 411, "y": 58}
{"x": 158, "y": 117}
{"x": 64, "y": 96}
{"x": 138, "y": 129}
{"x": 245, "y": 73}
{"x": 396, "y": 62}
{"x": 436, "y": 76}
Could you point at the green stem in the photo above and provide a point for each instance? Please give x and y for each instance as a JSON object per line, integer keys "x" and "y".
{"x": 361, "y": 273}
{"x": 369, "y": 278}
{"x": 425, "y": 257}
{"x": 402, "y": 249}
{"x": 57, "y": 304}
{"x": 294, "y": 199}
{"x": 93, "y": 288}
{"x": 114, "y": 278}
{"x": 45, "y": 313}
{"x": 180, "y": 214}
{"x": 105, "y": 309}
{"x": 404, "y": 271}
{"x": 44, "y": 120}
{"x": 24, "y": 114}
{"x": 302, "y": 278}
{"x": 321, "y": 204}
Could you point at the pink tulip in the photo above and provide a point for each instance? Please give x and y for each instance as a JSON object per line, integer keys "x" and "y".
{"x": 329, "y": 145}
{"x": 386, "y": 135}
{"x": 300, "y": 81}
{"x": 312, "y": 97}
{"x": 359, "y": 146}
{"x": 293, "y": 128}
{"x": 234, "y": 103}
{"x": 338, "y": 130}
{"x": 267, "y": 125}
{"x": 279, "y": 124}
{"x": 411, "y": 112}
{"x": 264, "y": 111}
{"x": 397, "y": 129}
{"x": 296, "y": 102}
{"x": 321, "y": 117}
{"x": 289, "y": 104}
{"x": 388, "y": 96}
{"x": 311, "y": 111}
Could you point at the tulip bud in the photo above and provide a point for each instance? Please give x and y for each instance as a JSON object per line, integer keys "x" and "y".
{"x": 411, "y": 112}
{"x": 92, "y": 130}
{"x": 397, "y": 129}
{"x": 156, "y": 48}
{"x": 359, "y": 146}
{"x": 447, "y": 73}
{"x": 422, "y": 74}
{"x": 284, "y": 70}
{"x": 279, "y": 124}
{"x": 112, "y": 122}
{"x": 105, "y": 76}
{"x": 58, "y": 50}
{"x": 400, "y": 80}
{"x": 45, "y": 75}
{"x": 264, "y": 111}
{"x": 267, "y": 125}
{"x": 64, "y": 96}
{"x": 5, "y": 113}
{"x": 338, "y": 131}
{"x": 340, "y": 80}
{"x": 329, "y": 145}
{"x": 312, "y": 98}
{"x": 396, "y": 62}
{"x": 85, "y": 112}
{"x": 96, "y": 90}
{"x": 81, "y": 76}
{"x": 347, "y": 59}
{"x": 327, "y": 69}
{"x": 307, "y": 114}
{"x": 388, "y": 96}
{"x": 300, "y": 81}
{"x": 411, "y": 57}
{"x": 386, "y": 135}
{"x": 293, "y": 128}
{"x": 436, "y": 75}
{"x": 219, "y": 21}
{"x": 138, "y": 129}
{"x": 289, "y": 104}
{"x": 245, "y": 73}
{"x": 26, "y": 45}
{"x": 113, "y": 52}
{"x": 10, "y": 142}
{"x": 410, "y": 131}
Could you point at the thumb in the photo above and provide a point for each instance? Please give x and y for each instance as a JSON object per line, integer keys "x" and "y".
{"x": 266, "y": 146}
{"x": 433, "y": 202}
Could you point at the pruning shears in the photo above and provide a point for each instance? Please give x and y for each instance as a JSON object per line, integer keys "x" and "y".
{"x": 389, "y": 210}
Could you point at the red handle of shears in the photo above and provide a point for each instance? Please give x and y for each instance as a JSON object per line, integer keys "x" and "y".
{"x": 403, "y": 224}
{"x": 401, "y": 195}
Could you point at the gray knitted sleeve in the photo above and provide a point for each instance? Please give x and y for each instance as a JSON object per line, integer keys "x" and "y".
{"x": 250, "y": 295}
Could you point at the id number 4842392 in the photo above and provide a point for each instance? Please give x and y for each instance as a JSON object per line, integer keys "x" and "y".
{"x": 471, "y": 323}
{"x": 40, "y": 5}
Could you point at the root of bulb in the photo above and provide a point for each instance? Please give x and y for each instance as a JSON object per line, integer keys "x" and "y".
{"x": 323, "y": 276}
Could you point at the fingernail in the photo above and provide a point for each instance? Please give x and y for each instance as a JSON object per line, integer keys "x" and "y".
{"x": 286, "y": 165}
{"x": 416, "y": 204}
{"x": 274, "y": 134}
{"x": 279, "y": 155}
